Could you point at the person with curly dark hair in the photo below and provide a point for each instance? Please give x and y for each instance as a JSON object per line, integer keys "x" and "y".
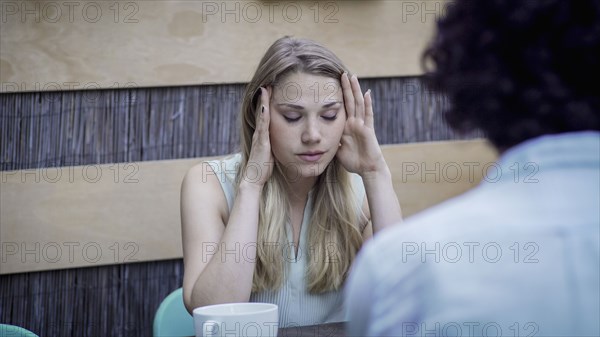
{"x": 519, "y": 255}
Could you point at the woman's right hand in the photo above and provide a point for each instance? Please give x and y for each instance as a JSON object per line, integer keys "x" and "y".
{"x": 260, "y": 162}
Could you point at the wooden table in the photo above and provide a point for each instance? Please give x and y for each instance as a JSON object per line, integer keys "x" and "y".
{"x": 321, "y": 330}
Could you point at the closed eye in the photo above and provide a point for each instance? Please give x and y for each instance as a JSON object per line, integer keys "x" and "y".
{"x": 330, "y": 115}
{"x": 291, "y": 116}
{"x": 290, "y": 119}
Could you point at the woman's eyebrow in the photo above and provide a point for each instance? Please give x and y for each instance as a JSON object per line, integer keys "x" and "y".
{"x": 330, "y": 104}
{"x": 299, "y": 107}
{"x": 292, "y": 106}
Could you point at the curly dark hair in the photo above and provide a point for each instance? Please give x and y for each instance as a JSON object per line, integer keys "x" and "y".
{"x": 518, "y": 69}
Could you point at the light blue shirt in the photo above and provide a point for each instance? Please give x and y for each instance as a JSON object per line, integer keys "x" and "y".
{"x": 516, "y": 256}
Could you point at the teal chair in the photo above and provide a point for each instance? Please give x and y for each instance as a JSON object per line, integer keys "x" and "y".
{"x": 172, "y": 319}
{"x": 15, "y": 331}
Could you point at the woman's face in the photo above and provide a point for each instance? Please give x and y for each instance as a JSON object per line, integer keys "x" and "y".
{"x": 307, "y": 121}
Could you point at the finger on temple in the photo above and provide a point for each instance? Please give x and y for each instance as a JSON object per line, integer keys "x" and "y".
{"x": 358, "y": 98}
{"x": 348, "y": 96}
{"x": 369, "y": 120}
{"x": 263, "y": 114}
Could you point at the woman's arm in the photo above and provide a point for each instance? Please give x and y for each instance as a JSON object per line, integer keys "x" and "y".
{"x": 218, "y": 258}
{"x": 360, "y": 153}
{"x": 219, "y": 249}
{"x": 383, "y": 205}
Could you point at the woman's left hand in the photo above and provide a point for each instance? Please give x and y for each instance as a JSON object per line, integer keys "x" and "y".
{"x": 359, "y": 151}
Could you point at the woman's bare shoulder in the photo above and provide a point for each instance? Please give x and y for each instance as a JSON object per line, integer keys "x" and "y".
{"x": 201, "y": 190}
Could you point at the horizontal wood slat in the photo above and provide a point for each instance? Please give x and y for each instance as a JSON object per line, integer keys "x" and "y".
{"x": 69, "y": 217}
{"x": 60, "y": 46}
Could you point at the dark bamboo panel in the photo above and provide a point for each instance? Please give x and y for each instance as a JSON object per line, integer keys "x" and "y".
{"x": 109, "y": 126}
{"x": 118, "y": 300}
{"x": 123, "y": 125}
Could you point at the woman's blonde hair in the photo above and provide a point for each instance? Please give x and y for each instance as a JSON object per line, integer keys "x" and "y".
{"x": 334, "y": 235}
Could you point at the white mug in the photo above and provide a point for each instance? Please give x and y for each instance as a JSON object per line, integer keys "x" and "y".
{"x": 236, "y": 319}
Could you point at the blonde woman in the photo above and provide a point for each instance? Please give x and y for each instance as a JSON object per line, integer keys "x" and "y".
{"x": 282, "y": 220}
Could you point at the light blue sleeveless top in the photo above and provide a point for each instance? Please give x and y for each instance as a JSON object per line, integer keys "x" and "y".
{"x": 297, "y": 307}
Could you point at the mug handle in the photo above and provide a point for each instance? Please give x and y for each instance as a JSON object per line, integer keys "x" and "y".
{"x": 211, "y": 328}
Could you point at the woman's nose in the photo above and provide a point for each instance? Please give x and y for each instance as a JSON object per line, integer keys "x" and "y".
{"x": 311, "y": 132}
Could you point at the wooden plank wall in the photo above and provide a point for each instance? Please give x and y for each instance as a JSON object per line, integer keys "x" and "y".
{"x": 70, "y": 128}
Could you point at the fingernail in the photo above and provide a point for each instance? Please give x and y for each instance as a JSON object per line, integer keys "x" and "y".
{"x": 369, "y": 91}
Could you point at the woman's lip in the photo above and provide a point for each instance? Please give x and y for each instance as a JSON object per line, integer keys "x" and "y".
{"x": 311, "y": 157}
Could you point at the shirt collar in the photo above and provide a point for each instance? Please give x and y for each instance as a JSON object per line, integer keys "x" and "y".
{"x": 580, "y": 149}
